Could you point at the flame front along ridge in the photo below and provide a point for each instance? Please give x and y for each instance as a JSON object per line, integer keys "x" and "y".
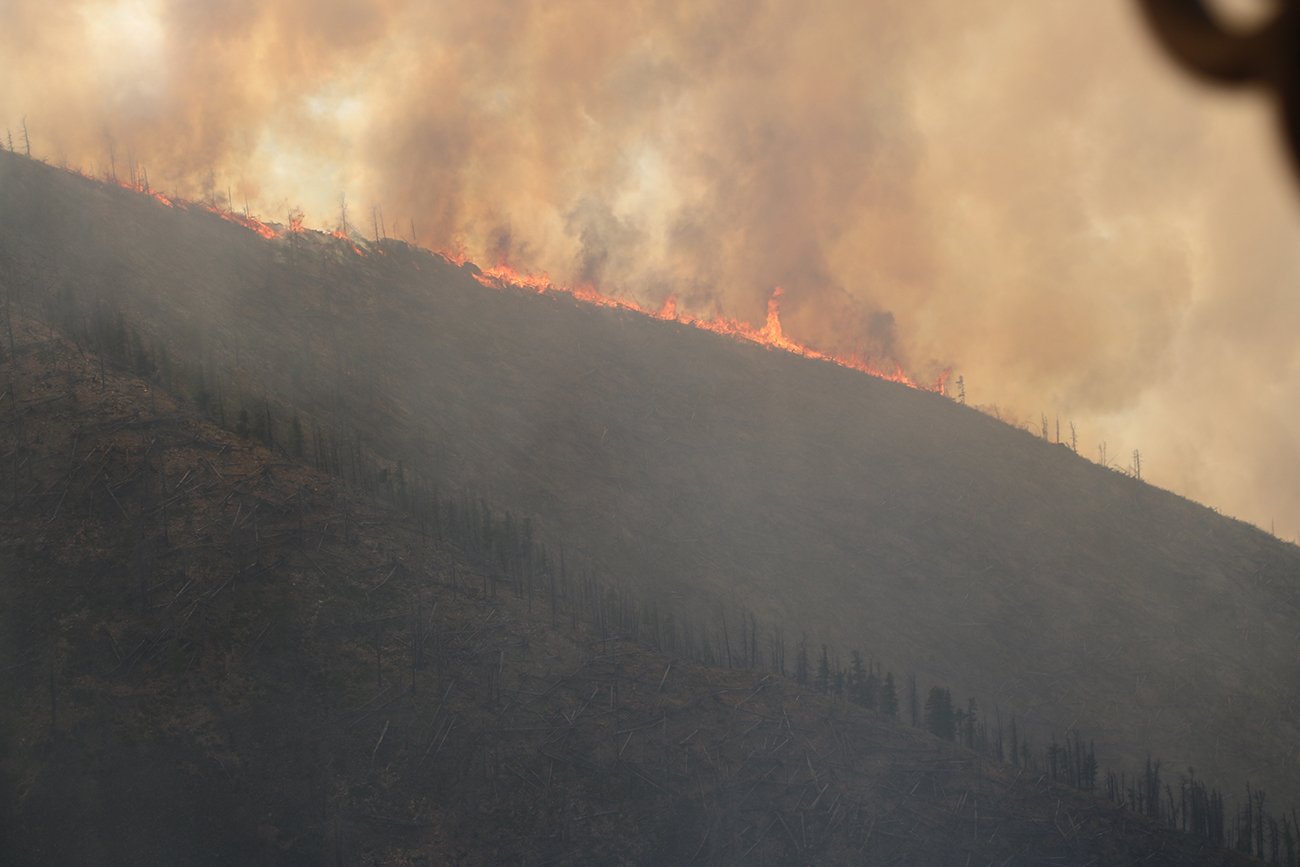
{"x": 501, "y": 276}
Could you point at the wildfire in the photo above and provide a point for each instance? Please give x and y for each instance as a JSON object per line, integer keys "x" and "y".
{"x": 251, "y": 223}
{"x": 771, "y": 335}
{"x": 143, "y": 187}
{"x": 503, "y": 275}
{"x": 456, "y": 257}
{"x": 140, "y": 184}
{"x": 343, "y": 236}
{"x": 669, "y": 309}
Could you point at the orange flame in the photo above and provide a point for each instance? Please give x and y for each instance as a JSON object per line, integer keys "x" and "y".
{"x": 669, "y": 309}
{"x": 251, "y": 223}
{"x": 457, "y": 257}
{"x": 502, "y": 275}
{"x": 142, "y": 187}
{"x": 771, "y": 335}
{"x": 343, "y": 236}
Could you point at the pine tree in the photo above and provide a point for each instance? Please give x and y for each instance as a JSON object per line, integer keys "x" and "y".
{"x": 871, "y": 690}
{"x": 823, "y": 682}
{"x": 857, "y": 678}
{"x": 801, "y": 663}
{"x": 198, "y": 387}
{"x": 268, "y": 430}
{"x": 295, "y": 437}
{"x": 889, "y": 697}
{"x": 940, "y": 720}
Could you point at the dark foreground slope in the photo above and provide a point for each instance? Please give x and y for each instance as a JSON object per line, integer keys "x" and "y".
{"x": 210, "y": 655}
{"x": 861, "y": 512}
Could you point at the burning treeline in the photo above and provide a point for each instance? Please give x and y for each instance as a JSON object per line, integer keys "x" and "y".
{"x": 607, "y": 153}
{"x": 503, "y": 547}
{"x": 973, "y": 175}
{"x": 500, "y": 276}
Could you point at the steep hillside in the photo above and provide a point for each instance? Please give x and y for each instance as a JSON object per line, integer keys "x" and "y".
{"x": 213, "y": 655}
{"x": 855, "y": 510}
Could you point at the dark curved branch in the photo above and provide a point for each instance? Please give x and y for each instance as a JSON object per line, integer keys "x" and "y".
{"x": 1191, "y": 35}
{"x": 1268, "y": 56}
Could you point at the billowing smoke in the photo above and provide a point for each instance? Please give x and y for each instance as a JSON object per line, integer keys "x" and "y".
{"x": 1028, "y": 193}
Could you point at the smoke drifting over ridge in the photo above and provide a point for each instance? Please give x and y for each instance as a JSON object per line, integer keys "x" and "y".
{"x": 1029, "y": 194}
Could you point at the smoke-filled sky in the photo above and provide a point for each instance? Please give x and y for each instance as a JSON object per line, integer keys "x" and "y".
{"x": 1026, "y": 192}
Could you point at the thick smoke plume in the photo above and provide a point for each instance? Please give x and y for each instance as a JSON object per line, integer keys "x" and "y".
{"x": 1026, "y": 192}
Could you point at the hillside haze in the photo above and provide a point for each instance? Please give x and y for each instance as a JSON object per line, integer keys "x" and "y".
{"x": 859, "y": 512}
{"x": 213, "y": 654}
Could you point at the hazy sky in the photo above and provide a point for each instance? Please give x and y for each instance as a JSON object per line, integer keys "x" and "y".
{"x": 1026, "y": 192}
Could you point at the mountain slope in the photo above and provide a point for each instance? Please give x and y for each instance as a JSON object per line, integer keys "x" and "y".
{"x": 212, "y": 655}
{"x": 858, "y": 511}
